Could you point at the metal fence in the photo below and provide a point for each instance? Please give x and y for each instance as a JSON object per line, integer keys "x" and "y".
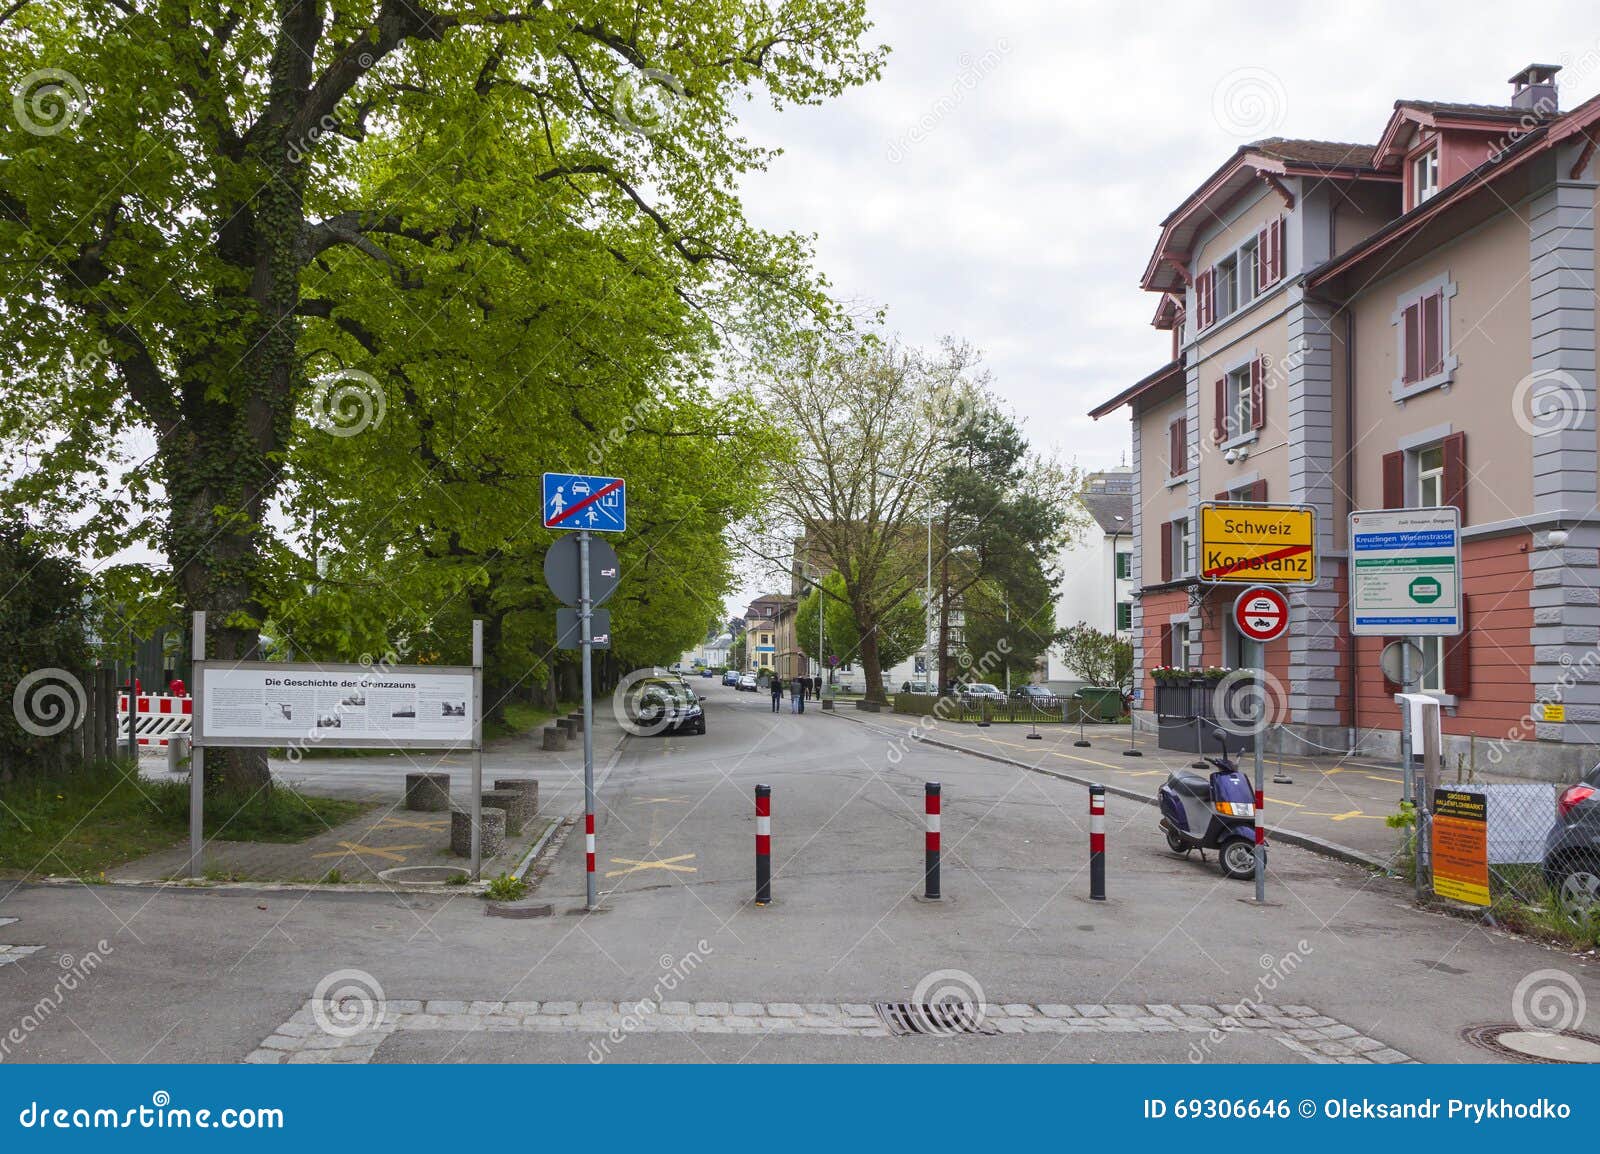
{"x": 987, "y": 710}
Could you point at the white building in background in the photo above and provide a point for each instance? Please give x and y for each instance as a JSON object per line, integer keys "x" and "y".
{"x": 711, "y": 652}
{"x": 1097, "y": 572}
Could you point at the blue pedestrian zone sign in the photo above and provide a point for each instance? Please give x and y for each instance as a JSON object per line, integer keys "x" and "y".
{"x": 573, "y": 501}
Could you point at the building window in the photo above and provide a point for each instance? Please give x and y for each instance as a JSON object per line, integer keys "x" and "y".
{"x": 1227, "y": 285}
{"x": 1181, "y": 656}
{"x": 1430, "y": 477}
{"x": 1178, "y": 446}
{"x": 766, "y": 639}
{"x": 1124, "y": 616}
{"x": 1239, "y": 409}
{"x": 1124, "y": 566}
{"x": 1248, "y": 276}
{"x": 1183, "y": 546}
{"x": 1422, "y": 323}
{"x": 1425, "y": 177}
{"x": 1431, "y": 678}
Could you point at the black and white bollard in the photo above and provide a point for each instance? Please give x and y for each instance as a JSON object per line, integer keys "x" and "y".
{"x": 1097, "y": 843}
{"x": 930, "y": 795}
{"x": 763, "y": 844}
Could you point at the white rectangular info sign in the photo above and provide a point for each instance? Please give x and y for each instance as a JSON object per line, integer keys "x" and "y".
{"x": 350, "y": 706}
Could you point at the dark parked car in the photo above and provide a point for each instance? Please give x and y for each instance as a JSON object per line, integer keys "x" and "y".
{"x": 1037, "y": 694}
{"x": 1572, "y": 855}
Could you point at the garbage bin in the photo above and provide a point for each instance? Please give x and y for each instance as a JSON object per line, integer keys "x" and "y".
{"x": 1099, "y": 703}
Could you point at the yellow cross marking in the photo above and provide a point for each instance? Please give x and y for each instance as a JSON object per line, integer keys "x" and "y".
{"x": 407, "y": 823}
{"x": 1345, "y": 816}
{"x": 388, "y": 853}
{"x": 658, "y": 864}
{"x": 1377, "y": 777}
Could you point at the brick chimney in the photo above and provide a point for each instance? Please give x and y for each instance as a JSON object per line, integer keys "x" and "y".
{"x": 1534, "y": 89}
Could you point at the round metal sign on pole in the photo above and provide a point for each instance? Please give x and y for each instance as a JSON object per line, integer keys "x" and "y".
{"x": 1261, "y": 613}
{"x": 561, "y": 563}
{"x": 1401, "y": 662}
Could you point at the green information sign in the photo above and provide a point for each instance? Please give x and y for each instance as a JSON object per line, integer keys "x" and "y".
{"x": 1426, "y": 590}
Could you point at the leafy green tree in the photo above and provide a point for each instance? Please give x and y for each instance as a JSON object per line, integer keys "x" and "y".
{"x": 1099, "y": 658}
{"x": 228, "y": 220}
{"x": 42, "y": 650}
{"x": 1003, "y": 515}
{"x": 1002, "y": 634}
{"x": 900, "y": 630}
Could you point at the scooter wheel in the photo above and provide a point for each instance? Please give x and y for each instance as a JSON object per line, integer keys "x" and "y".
{"x": 1176, "y": 844}
{"x": 1238, "y": 859}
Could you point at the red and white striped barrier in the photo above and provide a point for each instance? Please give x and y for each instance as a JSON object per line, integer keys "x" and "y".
{"x": 763, "y": 845}
{"x": 162, "y": 716}
{"x": 1097, "y": 843}
{"x": 588, "y": 841}
{"x": 932, "y": 808}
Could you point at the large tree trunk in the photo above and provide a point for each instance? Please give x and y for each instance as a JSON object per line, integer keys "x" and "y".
{"x": 871, "y": 666}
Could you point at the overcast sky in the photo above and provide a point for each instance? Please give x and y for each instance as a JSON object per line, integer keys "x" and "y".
{"x": 1005, "y": 180}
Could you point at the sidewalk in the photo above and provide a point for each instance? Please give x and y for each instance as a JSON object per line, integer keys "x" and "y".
{"x": 1336, "y": 805}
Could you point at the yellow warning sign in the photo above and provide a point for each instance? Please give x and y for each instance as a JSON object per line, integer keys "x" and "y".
{"x": 1258, "y": 544}
{"x": 1554, "y": 711}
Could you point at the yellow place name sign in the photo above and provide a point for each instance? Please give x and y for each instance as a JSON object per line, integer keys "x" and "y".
{"x": 1258, "y": 544}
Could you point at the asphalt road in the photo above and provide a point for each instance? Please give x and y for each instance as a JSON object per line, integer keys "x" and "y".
{"x": 216, "y": 975}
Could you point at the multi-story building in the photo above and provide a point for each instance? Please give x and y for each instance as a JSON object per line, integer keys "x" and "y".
{"x": 1097, "y": 569}
{"x": 1397, "y": 324}
{"x": 769, "y": 633}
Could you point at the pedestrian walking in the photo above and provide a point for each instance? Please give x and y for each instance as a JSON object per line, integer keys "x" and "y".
{"x": 804, "y": 685}
{"x": 777, "y": 693}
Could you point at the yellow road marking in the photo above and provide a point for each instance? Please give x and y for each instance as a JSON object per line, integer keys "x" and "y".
{"x": 388, "y": 853}
{"x": 408, "y": 823}
{"x": 660, "y": 800}
{"x": 658, "y": 864}
{"x": 1345, "y": 816}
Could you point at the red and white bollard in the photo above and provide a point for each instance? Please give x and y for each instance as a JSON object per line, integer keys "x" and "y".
{"x": 931, "y": 806}
{"x": 1261, "y": 843}
{"x": 1097, "y": 843}
{"x": 763, "y": 845}
{"x": 588, "y": 841}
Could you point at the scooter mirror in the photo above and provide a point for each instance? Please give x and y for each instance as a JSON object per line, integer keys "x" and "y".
{"x": 1222, "y": 739}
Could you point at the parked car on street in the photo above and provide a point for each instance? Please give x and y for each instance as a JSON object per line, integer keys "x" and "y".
{"x": 667, "y": 704}
{"x": 916, "y": 687}
{"x": 975, "y": 691}
{"x": 1572, "y": 853}
{"x": 748, "y": 682}
{"x": 730, "y": 677}
{"x": 1039, "y": 695}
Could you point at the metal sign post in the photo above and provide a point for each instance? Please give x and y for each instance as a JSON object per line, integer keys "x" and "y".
{"x": 477, "y": 750}
{"x": 197, "y": 755}
{"x": 1261, "y": 613}
{"x": 585, "y": 612}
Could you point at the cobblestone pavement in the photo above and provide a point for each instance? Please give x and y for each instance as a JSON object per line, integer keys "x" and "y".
{"x": 317, "y": 1032}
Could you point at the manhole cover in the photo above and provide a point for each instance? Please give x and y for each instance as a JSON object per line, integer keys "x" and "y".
{"x": 939, "y": 1019}
{"x": 1542, "y": 1046}
{"x": 424, "y": 875}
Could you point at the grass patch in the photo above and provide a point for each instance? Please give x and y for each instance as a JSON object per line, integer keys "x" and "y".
{"x": 101, "y": 815}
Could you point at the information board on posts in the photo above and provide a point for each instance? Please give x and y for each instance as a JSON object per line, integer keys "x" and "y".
{"x": 350, "y": 706}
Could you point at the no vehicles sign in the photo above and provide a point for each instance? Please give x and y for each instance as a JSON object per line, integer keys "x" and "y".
{"x": 1261, "y": 614}
{"x": 1247, "y": 544}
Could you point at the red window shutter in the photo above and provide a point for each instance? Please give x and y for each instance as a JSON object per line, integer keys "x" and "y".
{"x": 1224, "y": 496}
{"x": 1220, "y": 427}
{"x": 1394, "y": 480}
{"x": 1166, "y": 550}
{"x": 1258, "y": 492}
{"x": 1391, "y": 686}
{"x": 1183, "y": 444}
{"x": 1205, "y": 292}
{"x": 1263, "y": 258}
{"x": 1458, "y": 655}
{"x": 1455, "y": 472}
{"x": 1432, "y": 335}
{"x": 1166, "y": 645}
{"x": 1411, "y": 369}
{"x": 1258, "y": 393}
{"x": 1277, "y": 249}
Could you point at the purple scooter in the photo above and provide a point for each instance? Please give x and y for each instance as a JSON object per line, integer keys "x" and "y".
{"x": 1216, "y": 812}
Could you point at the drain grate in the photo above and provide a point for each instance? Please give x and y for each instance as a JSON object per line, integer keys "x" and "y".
{"x": 941, "y": 1019}
{"x": 1553, "y": 1047}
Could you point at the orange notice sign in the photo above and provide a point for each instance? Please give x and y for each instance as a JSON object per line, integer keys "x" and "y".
{"x": 1461, "y": 846}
